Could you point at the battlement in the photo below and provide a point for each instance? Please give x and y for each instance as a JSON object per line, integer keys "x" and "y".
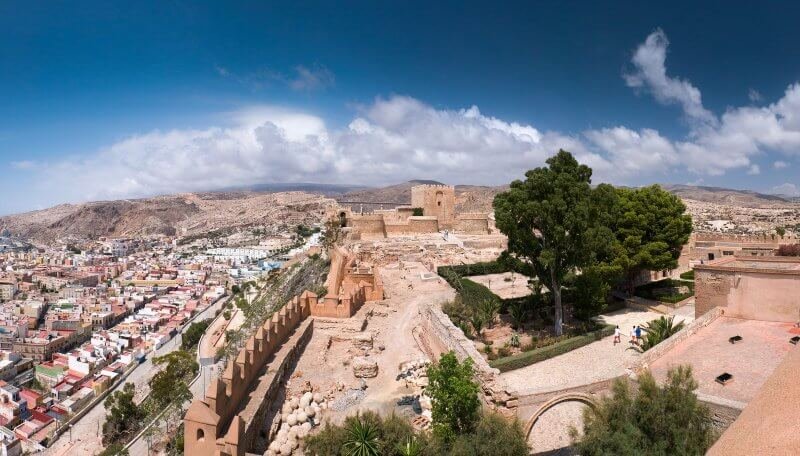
{"x": 214, "y": 424}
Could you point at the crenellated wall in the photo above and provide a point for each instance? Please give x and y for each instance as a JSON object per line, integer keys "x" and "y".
{"x": 222, "y": 422}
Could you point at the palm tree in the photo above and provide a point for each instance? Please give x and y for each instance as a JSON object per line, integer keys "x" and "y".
{"x": 659, "y": 330}
{"x": 362, "y": 439}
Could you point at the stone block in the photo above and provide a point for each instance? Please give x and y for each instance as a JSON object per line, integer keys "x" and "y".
{"x": 364, "y": 368}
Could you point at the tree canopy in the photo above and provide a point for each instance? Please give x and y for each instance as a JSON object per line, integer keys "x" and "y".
{"x": 657, "y": 420}
{"x": 454, "y": 396}
{"x": 122, "y": 415}
{"x": 651, "y": 227}
{"x": 586, "y": 238}
{"x": 554, "y": 221}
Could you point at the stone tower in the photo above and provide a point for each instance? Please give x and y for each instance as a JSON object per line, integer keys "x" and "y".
{"x": 436, "y": 201}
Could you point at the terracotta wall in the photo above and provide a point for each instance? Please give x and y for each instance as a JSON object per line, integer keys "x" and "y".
{"x": 436, "y": 201}
{"x": 472, "y": 223}
{"x": 755, "y": 295}
{"x": 213, "y": 417}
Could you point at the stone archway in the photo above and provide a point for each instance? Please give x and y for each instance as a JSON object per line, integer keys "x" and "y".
{"x": 583, "y": 398}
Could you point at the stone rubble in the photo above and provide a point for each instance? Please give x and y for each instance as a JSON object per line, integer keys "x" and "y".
{"x": 298, "y": 416}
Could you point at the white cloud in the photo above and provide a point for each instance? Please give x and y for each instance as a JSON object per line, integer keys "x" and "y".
{"x": 651, "y": 75}
{"x": 754, "y": 170}
{"x": 301, "y": 79}
{"x": 780, "y": 164}
{"x": 786, "y": 189}
{"x": 754, "y": 96}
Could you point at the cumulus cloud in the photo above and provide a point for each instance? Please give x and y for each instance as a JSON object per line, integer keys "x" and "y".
{"x": 754, "y": 96}
{"x": 400, "y": 137}
{"x": 786, "y": 189}
{"x": 651, "y": 75}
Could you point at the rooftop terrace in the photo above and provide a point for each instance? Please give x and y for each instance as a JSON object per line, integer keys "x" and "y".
{"x": 710, "y": 353}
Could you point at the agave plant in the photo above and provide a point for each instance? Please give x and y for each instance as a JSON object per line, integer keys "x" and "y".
{"x": 514, "y": 342}
{"x": 659, "y": 330}
{"x": 362, "y": 439}
{"x": 410, "y": 447}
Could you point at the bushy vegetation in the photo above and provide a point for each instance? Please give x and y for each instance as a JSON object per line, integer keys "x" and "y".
{"x": 553, "y": 347}
{"x": 123, "y": 417}
{"x": 789, "y": 250}
{"x": 655, "y": 420}
{"x": 659, "y": 330}
{"x": 459, "y": 428}
{"x": 688, "y": 275}
{"x": 557, "y": 224}
{"x": 652, "y": 290}
{"x": 192, "y": 336}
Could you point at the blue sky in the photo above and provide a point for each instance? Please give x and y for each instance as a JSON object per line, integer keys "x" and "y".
{"x": 123, "y": 99}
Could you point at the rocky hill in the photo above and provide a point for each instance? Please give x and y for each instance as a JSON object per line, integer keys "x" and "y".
{"x": 742, "y": 198}
{"x": 182, "y": 215}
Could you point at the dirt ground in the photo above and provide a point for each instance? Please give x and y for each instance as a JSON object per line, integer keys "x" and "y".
{"x": 506, "y": 285}
{"x": 326, "y": 361}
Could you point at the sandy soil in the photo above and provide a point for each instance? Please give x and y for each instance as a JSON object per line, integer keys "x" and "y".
{"x": 326, "y": 361}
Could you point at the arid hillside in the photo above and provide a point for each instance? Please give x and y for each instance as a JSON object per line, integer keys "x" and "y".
{"x": 717, "y": 195}
{"x": 183, "y": 214}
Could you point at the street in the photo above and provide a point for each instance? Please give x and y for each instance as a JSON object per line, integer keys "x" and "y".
{"x": 87, "y": 432}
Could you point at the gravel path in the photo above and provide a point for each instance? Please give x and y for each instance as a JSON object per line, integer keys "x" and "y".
{"x": 595, "y": 362}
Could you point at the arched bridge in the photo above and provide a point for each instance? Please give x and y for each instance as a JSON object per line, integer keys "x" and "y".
{"x": 584, "y": 398}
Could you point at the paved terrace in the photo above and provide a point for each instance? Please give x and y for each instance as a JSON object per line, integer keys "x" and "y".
{"x": 751, "y": 361}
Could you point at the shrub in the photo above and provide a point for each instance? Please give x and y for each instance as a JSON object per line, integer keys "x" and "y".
{"x": 532, "y": 356}
{"x": 656, "y": 420}
{"x": 688, "y": 275}
{"x": 390, "y": 435}
{"x": 417, "y": 211}
{"x": 454, "y": 396}
{"x": 494, "y": 435}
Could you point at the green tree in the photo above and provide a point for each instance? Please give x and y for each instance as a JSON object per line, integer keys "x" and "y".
{"x": 781, "y": 231}
{"x": 192, "y": 336}
{"x": 454, "y": 396}
{"x": 554, "y": 222}
{"x": 171, "y": 384}
{"x": 651, "y": 228}
{"x": 123, "y": 417}
{"x": 656, "y": 421}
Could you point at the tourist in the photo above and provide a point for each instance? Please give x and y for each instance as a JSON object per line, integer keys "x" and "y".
{"x": 617, "y": 335}
{"x": 638, "y": 334}
{"x": 633, "y": 335}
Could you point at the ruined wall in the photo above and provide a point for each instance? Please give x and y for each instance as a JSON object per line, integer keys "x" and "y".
{"x": 436, "y": 201}
{"x": 367, "y": 225}
{"x": 751, "y": 294}
{"x": 413, "y": 225}
{"x": 472, "y": 223}
{"x": 349, "y": 287}
{"x": 442, "y": 336}
{"x": 215, "y": 423}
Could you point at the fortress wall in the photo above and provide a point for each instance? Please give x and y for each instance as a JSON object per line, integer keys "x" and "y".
{"x": 212, "y": 424}
{"x": 472, "y": 224}
{"x": 368, "y": 224}
{"x": 764, "y": 295}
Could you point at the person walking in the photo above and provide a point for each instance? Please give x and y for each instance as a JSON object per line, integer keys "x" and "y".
{"x": 617, "y": 335}
{"x": 633, "y": 335}
{"x": 638, "y": 334}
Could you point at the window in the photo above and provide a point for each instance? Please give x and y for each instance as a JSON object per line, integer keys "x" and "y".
{"x": 200, "y": 435}
{"x": 727, "y": 252}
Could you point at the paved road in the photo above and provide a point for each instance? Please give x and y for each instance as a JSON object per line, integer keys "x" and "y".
{"x": 87, "y": 432}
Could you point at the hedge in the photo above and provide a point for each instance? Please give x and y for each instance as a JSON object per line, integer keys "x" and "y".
{"x": 688, "y": 275}
{"x": 523, "y": 359}
{"x": 465, "y": 270}
{"x": 646, "y": 291}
